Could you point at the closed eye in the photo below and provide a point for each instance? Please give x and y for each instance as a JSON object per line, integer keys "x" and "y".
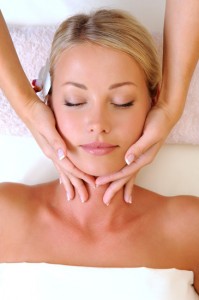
{"x": 73, "y": 104}
{"x": 128, "y": 104}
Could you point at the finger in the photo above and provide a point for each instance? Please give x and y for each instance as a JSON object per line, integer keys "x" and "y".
{"x": 124, "y": 172}
{"x": 63, "y": 179}
{"x": 128, "y": 190}
{"x": 55, "y": 148}
{"x": 68, "y": 168}
{"x": 70, "y": 183}
{"x": 50, "y": 140}
{"x": 58, "y": 146}
{"x": 74, "y": 186}
{"x": 141, "y": 146}
{"x": 51, "y": 143}
{"x": 80, "y": 188}
{"x": 113, "y": 188}
{"x": 132, "y": 169}
{"x": 70, "y": 193}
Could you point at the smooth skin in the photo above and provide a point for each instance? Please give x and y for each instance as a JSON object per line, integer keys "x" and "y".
{"x": 155, "y": 232}
{"x": 99, "y": 109}
{"x": 181, "y": 48}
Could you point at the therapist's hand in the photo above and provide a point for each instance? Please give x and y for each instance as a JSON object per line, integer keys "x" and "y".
{"x": 158, "y": 124}
{"x": 41, "y": 122}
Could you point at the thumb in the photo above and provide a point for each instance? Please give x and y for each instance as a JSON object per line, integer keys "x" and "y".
{"x": 57, "y": 144}
{"x": 52, "y": 143}
{"x": 140, "y": 147}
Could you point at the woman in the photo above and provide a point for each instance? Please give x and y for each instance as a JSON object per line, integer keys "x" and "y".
{"x": 178, "y": 66}
{"x": 105, "y": 76}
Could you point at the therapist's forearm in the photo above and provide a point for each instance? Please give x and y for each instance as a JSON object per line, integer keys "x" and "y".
{"x": 181, "y": 51}
{"x": 13, "y": 80}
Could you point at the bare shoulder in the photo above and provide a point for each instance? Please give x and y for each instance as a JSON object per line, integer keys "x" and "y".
{"x": 12, "y": 192}
{"x": 184, "y": 209}
{"x": 18, "y": 199}
{"x": 187, "y": 208}
{"x": 7, "y": 188}
{"x": 16, "y": 210}
{"x": 12, "y": 199}
{"x": 182, "y": 215}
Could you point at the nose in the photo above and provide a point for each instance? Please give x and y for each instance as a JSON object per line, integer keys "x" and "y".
{"x": 98, "y": 121}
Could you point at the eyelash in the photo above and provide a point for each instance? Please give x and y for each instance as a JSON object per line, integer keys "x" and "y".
{"x": 72, "y": 104}
{"x": 128, "y": 104}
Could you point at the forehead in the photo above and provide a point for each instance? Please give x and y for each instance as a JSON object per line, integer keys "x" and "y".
{"x": 97, "y": 63}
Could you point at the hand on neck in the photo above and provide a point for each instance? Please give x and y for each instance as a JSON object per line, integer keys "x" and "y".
{"x": 94, "y": 212}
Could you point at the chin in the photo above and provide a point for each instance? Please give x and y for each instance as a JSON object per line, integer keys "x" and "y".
{"x": 100, "y": 170}
{"x": 97, "y": 166}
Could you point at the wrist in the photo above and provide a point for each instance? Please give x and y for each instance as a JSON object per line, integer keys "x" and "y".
{"x": 25, "y": 107}
{"x": 172, "y": 100}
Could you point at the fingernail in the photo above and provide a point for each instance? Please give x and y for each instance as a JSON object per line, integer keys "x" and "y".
{"x": 60, "y": 154}
{"x": 68, "y": 197}
{"x": 106, "y": 202}
{"x": 129, "y": 159}
{"x": 82, "y": 200}
{"x": 129, "y": 200}
{"x": 60, "y": 181}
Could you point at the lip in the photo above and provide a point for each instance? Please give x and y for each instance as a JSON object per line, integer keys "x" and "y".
{"x": 98, "y": 148}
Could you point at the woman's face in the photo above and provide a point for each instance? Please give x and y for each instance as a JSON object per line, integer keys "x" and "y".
{"x": 100, "y": 100}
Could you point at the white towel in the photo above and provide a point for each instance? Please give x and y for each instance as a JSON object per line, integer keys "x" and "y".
{"x": 40, "y": 281}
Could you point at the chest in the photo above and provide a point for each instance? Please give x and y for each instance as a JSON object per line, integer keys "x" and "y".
{"x": 53, "y": 242}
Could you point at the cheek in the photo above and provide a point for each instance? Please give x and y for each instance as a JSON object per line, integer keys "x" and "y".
{"x": 67, "y": 126}
{"x": 134, "y": 125}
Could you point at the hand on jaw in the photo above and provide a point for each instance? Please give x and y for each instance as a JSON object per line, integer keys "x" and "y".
{"x": 157, "y": 127}
{"x": 75, "y": 185}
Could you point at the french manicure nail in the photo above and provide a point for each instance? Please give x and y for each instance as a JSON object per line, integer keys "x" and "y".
{"x": 60, "y": 154}
{"x": 107, "y": 203}
{"x": 68, "y": 197}
{"x": 129, "y": 200}
{"x": 129, "y": 159}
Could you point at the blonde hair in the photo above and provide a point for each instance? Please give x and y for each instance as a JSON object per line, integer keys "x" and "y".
{"x": 111, "y": 28}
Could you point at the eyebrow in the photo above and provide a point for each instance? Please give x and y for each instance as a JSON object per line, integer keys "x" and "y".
{"x": 116, "y": 85}
{"x": 76, "y": 84}
{"x": 113, "y": 86}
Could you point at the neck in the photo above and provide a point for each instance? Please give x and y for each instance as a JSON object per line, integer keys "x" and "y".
{"x": 94, "y": 213}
